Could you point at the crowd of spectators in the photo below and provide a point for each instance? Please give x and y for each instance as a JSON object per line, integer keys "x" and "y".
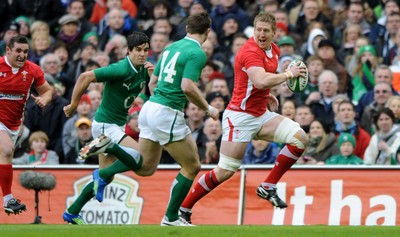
{"x": 349, "y": 47}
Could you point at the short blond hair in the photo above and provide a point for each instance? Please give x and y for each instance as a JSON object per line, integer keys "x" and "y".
{"x": 38, "y": 135}
{"x": 266, "y": 17}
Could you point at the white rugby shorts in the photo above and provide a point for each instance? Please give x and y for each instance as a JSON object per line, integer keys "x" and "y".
{"x": 162, "y": 124}
{"x": 113, "y": 131}
{"x": 243, "y": 127}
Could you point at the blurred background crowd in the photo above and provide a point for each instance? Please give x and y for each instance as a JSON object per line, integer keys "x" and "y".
{"x": 350, "y": 108}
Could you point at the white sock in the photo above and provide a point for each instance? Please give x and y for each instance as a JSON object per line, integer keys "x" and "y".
{"x": 269, "y": 185}
{"x": 7, "y": 198}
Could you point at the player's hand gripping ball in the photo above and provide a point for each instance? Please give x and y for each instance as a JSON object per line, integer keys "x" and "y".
{"x": 299, "y": 83}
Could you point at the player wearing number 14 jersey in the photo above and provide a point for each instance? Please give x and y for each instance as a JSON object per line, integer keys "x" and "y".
{"x": 161, "y": 120}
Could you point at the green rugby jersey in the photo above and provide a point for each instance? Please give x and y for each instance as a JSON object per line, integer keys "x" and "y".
{"x": 182, "y": 59}
{"x": 122, "y": 84}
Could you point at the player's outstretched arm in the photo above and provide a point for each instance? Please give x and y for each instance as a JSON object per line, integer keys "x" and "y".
{"x": 81, "y": 85}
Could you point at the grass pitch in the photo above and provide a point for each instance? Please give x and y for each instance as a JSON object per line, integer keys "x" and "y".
{"x": 205, "y": 230}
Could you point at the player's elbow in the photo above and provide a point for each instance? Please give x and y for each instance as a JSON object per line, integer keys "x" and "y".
{"x": 261, "y": 85}
{"x": 187, "y": 87}
{"x": 87, "y": 77}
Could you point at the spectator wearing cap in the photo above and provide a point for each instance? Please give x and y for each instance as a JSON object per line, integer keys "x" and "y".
{"x": 91, "y": 37}
{"x": 24, "y": 23}
{"x": 346, "y": 143}
{"x": 69, "y": 135}
{"x": 11, "y": 30}
{"x": 327, "y": 52}
{"x": 83, "y": 129}
{"x": 44, "y": 10}
{"x": 287, "y": 46}
{"x": 69, "y": 33}
{"x": 224, "y": 8}
{"x": 217, "y": 100}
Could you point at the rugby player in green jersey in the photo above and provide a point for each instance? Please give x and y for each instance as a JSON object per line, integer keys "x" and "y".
{"x": 123, "y": 81}
{"x": 161, "y": 120}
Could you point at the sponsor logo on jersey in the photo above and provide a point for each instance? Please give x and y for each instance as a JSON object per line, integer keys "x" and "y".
{"x": 127, "y": 85}
{"x": 3, "y": 74}
{"x": 4, "y": 96}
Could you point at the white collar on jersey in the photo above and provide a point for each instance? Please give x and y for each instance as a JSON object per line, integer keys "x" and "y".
{"x": 130, "y": 63}
{"x": 13, "y": 69}
{"x": 268, "y": 52}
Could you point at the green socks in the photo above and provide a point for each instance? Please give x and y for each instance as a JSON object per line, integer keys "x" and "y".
{"x": 179, "y": 189}
{"x": 83, "y": 198}
{"x": 115, "y": 168}
{"x": 128, "y": 156}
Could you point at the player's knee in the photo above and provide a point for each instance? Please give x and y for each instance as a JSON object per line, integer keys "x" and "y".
{"x": 229, "y": 163}
{"x": 193, "y": 169}
{"x": 302, "y": 138}
{"x": 6, "y": 152}
{"x": 147, "y": 169}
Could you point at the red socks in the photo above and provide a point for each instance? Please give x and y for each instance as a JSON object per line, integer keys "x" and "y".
{"x": 286, "y": 158}
{"x": 204, "y": 185}
{"x": 6, "y": 177}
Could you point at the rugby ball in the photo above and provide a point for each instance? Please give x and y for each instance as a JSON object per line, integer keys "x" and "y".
{"x": 299, "y": 83}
